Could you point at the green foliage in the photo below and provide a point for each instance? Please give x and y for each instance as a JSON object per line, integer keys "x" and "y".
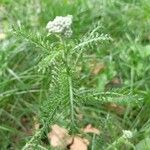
{"x": 49, "y": 77}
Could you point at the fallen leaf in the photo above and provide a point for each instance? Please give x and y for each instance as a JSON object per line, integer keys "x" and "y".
{"x": 79, "y": 144}
{"x": 97, "y": 68}
{"x": 90, "y": 129}
{"x": 59, "y": 137}
{"x": 116, "y": 82}
{"x": 116, "y": 108}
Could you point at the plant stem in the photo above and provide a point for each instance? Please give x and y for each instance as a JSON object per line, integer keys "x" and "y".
{"x": 71, "y": 99}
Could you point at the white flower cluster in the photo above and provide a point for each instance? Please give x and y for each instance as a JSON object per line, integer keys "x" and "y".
{"x": 61, "y": 25}
{"x": 127, "y": 134}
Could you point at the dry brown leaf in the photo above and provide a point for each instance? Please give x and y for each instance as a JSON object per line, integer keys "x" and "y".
{"x": 90, "y": 129}
{"x": 116, "y": 108}
{"x": 59, "y": 137}
{"x": 114, "y": 83}
{"x": 79, "y": 144}
{"x": 97, "y": 68}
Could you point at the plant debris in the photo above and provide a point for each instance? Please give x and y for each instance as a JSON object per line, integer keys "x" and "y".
{"x": 90, "y": 129}
{"x": 79, "y": 144}
{"x": 97, "y": 68}
{"x": 115, "y": 108}
{"x": 59, "y": 137}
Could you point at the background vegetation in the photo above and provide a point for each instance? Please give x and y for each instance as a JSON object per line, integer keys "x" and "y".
{"x": 106, "y": 80}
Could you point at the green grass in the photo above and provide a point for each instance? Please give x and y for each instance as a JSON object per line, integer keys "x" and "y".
{"x": 50, "y": 80}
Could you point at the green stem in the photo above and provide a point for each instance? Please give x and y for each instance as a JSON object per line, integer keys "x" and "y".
{"x": 71, "y": 99}
{"x": 66, "y": 62}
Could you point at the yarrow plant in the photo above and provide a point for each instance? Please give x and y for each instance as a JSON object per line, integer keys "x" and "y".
{"x": 60, "y": 25}
{"x": 60, "y": 59}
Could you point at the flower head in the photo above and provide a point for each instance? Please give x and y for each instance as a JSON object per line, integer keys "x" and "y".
{"x": 127, "y": 134}
{"x": 60, "y": 25}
